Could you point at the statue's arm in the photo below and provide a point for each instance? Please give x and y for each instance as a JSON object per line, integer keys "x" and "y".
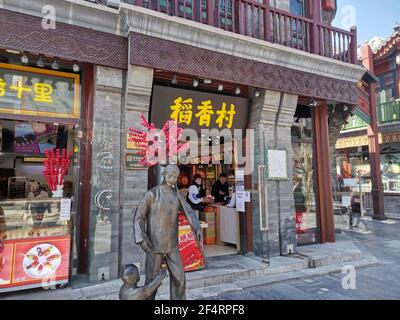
{"x": 139, "y": 220}
{"x": 149, "y": 289}
{"x": 190, "y": 215}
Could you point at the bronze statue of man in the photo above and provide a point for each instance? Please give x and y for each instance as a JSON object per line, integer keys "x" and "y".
{"x": 156, "y": 231}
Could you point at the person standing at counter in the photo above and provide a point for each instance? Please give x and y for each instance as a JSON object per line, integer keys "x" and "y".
{"x": 220, "y": 189}
{"x": 196, "y": 194}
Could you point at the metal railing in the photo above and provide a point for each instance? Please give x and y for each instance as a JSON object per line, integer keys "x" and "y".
{"x": 388, "y": 112}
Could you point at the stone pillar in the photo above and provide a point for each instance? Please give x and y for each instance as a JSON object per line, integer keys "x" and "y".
{"x": 271, "y": 117}
{"x": 139, "y": 83}
{"x": 103, "y": 243}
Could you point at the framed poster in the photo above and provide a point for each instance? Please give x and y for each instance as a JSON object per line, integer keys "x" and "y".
{"x": 277, "y": 164}
{"x": 35, "y": 262}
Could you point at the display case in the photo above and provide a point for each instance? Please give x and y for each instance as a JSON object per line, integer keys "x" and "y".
{"x": 35, "y": 243}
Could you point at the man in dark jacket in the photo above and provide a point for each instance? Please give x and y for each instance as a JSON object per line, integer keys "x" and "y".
{"x": 220, "y": 189}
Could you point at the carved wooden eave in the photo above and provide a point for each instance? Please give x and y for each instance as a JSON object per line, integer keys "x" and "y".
{"x": 24, "y": 32}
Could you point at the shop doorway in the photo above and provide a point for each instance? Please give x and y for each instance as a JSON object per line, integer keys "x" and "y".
{"x": 218, "y": 212}
{"x": 307, "y": 228}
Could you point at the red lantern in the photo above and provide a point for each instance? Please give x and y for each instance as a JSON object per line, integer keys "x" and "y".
{"x": 329, "y": 5}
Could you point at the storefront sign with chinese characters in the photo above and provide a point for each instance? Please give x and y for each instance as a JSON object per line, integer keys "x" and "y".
{"x": 391, "y": 137}
{"x": 352, "y": 142}
{"x": 198, "y": 110}
{"x": 38, "y": 92}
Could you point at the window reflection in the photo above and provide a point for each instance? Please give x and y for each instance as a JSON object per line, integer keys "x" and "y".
{"x": 303, "y": 182}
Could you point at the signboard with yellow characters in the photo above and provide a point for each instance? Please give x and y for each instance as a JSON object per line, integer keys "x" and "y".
{"x": 39, "y": 92}
{"x": 198, "y": 110}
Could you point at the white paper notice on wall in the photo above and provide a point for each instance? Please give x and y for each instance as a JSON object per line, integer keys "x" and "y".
{"x": 65, "y": 210}
{"x": 277, "y": 164}
{"x": 247, "y": 196}
{"x": 240, "y": 203}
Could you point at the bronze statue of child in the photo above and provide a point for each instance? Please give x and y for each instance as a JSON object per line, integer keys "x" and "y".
{"x": 130, "y": 290}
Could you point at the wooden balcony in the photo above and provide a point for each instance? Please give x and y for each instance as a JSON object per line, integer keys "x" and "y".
{"x": 255, "y": 18}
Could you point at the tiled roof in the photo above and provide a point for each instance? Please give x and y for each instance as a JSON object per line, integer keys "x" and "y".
{"x": 391, "y": 44}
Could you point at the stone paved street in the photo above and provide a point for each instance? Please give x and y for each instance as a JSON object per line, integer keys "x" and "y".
{"x": 380, "y": 239}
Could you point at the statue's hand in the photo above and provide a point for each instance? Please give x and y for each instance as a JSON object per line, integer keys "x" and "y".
{"x": 199, "y": 234}
{"x": 163, "y": 271}
{"x": 146, "y": 246}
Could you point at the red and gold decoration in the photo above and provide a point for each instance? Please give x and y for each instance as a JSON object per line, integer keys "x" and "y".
{"x": 55, "y": 168}
{"x": 157, "y": 145}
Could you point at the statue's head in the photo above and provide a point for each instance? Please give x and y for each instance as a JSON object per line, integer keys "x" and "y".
{"x": 130, "y": 275}
{"x": 171, "y": 175}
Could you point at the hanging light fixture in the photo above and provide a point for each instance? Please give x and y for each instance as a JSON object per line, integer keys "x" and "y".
{"x": 220, "y": 87}
{"x": 313, "y": 103}
{"x": 237, "y": 90}
{"x": 55, "y": 65}
{"x": 174, "y": 80}
{"x": 256, "y": 93}
{"x": 24, "y": 59}
{"x": 75, "y": 67}
{"x": 40, "y": 62}
{"x": 195, "y": 83}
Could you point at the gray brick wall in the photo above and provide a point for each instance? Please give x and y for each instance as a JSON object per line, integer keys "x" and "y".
{"x": 103, "y": 235}
{"x": 134, "y": 185}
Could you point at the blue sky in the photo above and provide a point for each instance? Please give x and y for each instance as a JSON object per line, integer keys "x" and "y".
{"x": 372, "y": 17}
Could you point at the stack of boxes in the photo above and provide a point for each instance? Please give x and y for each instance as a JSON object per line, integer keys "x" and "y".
{"x": 209, "y": 217}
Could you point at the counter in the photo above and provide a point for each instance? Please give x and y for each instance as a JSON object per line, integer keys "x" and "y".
{"x": 36, "y": 238}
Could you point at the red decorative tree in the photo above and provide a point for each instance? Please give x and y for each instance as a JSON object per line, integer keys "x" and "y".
{"x": 154, "y": 148}
{"x": 55, "y": 168}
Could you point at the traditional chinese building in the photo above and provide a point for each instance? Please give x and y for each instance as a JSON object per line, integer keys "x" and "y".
{"x": 277, "y": 67}
{"x": 382, "y": 58}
